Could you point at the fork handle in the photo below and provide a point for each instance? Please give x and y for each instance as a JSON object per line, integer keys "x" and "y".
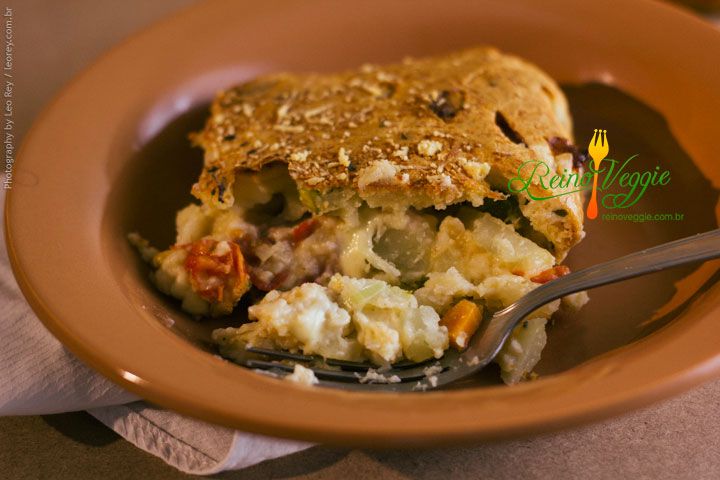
{"x": 700, "y": 247}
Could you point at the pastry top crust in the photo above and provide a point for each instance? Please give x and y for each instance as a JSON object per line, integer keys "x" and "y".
{"x": 423, "y": 133}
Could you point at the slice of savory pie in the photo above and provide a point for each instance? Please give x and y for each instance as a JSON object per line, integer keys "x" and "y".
{"x": 373, "y": 206}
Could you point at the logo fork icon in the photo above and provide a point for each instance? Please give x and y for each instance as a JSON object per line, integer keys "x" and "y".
{"x": 598, "y": 150}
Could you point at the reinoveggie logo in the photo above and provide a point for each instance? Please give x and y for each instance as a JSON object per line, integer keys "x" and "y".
{"x": 602, "y": 175}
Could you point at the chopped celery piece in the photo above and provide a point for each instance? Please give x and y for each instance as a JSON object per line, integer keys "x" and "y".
{"x": 361, "y": 297}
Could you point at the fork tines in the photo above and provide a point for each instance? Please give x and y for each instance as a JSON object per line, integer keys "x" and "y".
{"x": 329, "y": 369}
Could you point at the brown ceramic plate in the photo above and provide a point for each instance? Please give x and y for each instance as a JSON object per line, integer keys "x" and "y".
{"x": 110, "y": 155}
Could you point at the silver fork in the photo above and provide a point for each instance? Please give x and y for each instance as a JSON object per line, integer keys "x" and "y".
{"x": 484, "y": 346}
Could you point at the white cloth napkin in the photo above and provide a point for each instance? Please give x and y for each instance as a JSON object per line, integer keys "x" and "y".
{"x": 39, "y": 376}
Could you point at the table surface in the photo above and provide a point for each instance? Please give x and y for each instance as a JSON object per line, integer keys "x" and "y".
{"x": 678, "y": 438}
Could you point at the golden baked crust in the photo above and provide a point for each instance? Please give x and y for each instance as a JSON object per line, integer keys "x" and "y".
{"x": 426, "y": 132}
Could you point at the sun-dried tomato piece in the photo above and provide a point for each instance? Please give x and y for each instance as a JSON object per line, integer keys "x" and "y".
{"x": 551, "y": 274}
{"x": 305, "y": 229}
{"x": 217, "y": 271}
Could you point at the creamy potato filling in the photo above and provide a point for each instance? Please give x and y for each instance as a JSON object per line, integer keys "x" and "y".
{"x": 350, "y": 319}
{"x": 355, "y": 282}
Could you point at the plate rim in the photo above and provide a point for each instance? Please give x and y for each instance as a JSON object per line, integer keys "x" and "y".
{"x": 663, "y": 388}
